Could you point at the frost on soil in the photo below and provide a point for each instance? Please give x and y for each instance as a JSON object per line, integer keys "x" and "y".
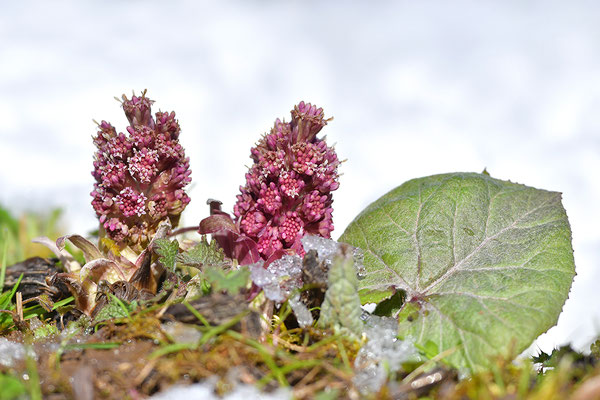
{"x": 382, "y": 355}
{"x": 182, "y": 333}
{"x": 206, "y": 390}
{"x": 10, "y": 351}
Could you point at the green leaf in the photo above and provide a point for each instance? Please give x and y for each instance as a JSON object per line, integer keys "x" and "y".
{"x": 487, "y": 264}
{"x": 375, "y": 296}
{"x": 595, "y": 348}
{"x": 430, "y": 349}
{"x": 231, "y": 282}
{"x": 11, "y": 388}
{"x": 341, "y": 308}
{"x": 203, "y": 254}
{"x": 9, "y": 221}
{"x": 167, "y": 250}
{"x": 391, "y": 306}
{"x": 6, "y": 320}
{"x": 45, "y": 330}
{"x": 115, "y": 308}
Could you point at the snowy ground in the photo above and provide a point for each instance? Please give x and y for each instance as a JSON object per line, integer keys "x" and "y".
{"x": 416, "y": 88}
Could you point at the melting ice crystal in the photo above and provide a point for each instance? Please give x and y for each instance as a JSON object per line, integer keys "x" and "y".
{"x": 382, "y": 354}
{"x": 327, "y": 249}
{"x": 280, "y": 278}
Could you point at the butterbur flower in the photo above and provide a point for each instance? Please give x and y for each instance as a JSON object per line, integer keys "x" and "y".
{"x": 140, "y": 175}
{"x": 288, "y": 188}
{"x": 138, "y": 196}
{"x": 287, "y": 192}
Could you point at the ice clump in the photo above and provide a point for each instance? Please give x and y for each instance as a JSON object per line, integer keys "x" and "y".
{"x": 10, "y": 351}
{"x": 206, "y": 390}
{"x": 267, "y": 281}
{"x": 383, "y": 353}
{"x": 280, "y": 278}
{"x": 182, "y": 333}
{"x": 302, "y": 313}
{"x": 284, "y": 275}
{"x": 327, "y": 249}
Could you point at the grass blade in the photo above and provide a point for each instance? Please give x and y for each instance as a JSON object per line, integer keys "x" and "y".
{"x": 3, "y": 262}
{"x": 172, "y": 348}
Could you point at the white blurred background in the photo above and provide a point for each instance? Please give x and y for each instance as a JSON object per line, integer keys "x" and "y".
{"x": 416, "y": 88}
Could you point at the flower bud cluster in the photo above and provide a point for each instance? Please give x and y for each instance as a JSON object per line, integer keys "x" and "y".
{"x": 288, "y": 188}
{"x": 140, "y": 176}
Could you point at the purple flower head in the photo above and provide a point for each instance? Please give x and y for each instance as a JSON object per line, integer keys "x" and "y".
{"x": 140, "y": 175}
{"x": 288, "y": 188}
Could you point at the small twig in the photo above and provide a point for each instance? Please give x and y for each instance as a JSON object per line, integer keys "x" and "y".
{"x": 336, "y": 371}
{"x": 144, "y": 372}
{"x": 20, "y": 306}
{"x": 168, "y": 302}
{"x": 317, "y": 386}
{"x": 265, "y": 322}
{"x": 309, "y": 377}
{"x": 30, "y": 300}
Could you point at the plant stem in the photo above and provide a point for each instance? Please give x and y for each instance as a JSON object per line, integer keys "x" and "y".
{"x": 182, "y": 230}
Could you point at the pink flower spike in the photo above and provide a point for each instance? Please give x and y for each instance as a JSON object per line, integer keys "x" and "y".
{"x": 288, "y": 188}
{"x": 140, "y": 175}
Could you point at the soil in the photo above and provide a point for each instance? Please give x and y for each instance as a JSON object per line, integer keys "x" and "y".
{"x": 156, "y": 346}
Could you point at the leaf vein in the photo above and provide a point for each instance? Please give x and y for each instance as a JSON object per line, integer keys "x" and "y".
{"x": 457, "y": 266}
{"x": 515, "y": 267}
{"x": 417, "y": 244}
{"x": 460, "y": 333}
{"x": 395, "y": 223}
{"x": 402, "y": 281}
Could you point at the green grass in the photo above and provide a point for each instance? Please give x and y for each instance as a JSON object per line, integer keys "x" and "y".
{"x": 6, "y": 320}
{"x": 11, "y": 388}
{"x": 38, "y": 311}
{"x": 4, "y": 242}
{"x": 33, "y": 383}
{"x": 16, "y": 233}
